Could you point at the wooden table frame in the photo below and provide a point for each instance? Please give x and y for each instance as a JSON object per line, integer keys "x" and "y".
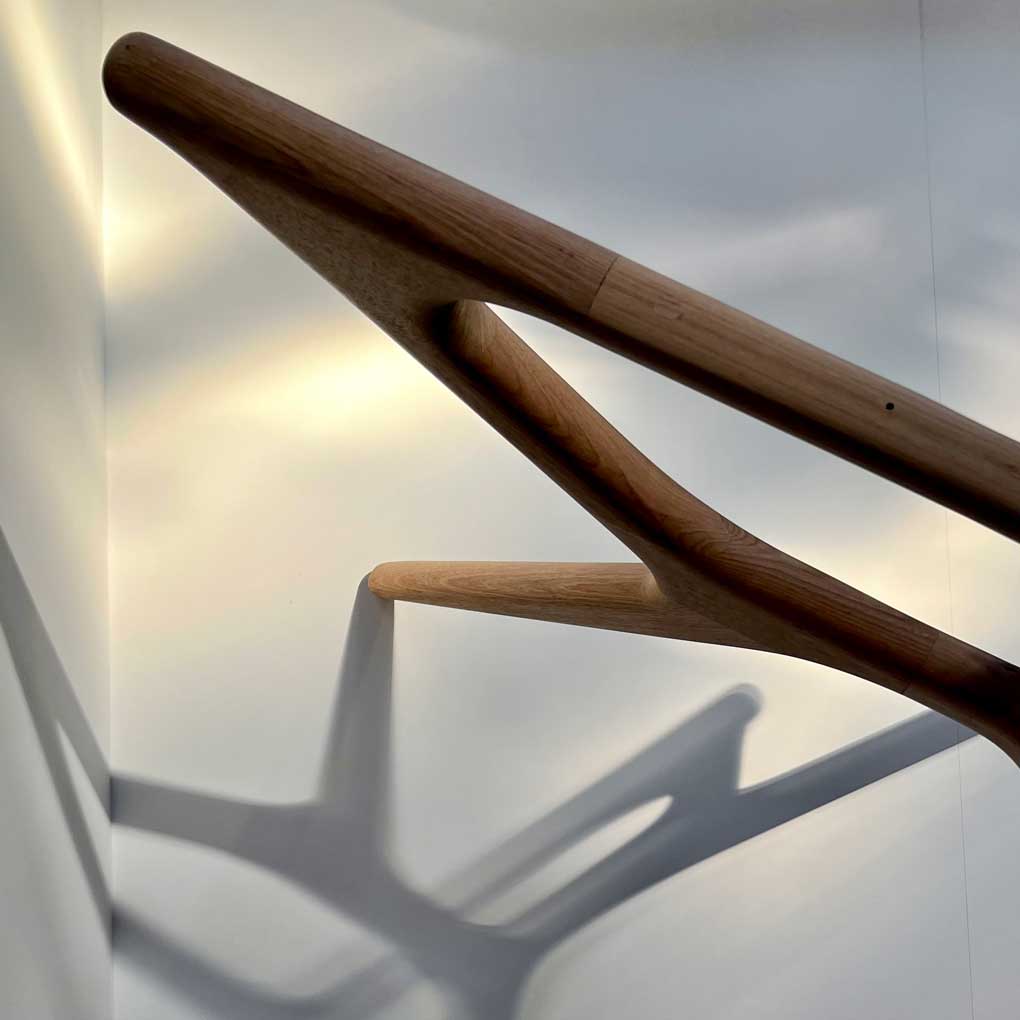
{"x": 423, "y": 255}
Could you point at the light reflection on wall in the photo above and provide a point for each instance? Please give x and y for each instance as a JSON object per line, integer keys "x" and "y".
{"x": 54, "y": 835}
{"x": 41, "y": 53}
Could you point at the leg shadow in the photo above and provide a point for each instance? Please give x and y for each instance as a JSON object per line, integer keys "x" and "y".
{"x": 335, "y": 846}
{"x": 55, "y": 708}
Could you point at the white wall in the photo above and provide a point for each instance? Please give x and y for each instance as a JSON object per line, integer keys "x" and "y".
{"x": 973, "y": 76}
{"x": 54, "y": 679}
{"x": 268, "y": 446}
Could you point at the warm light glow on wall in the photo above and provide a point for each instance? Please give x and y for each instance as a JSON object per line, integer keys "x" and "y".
{"x": 327, "y": 391}
{"x": 52, "y": 104}
{"x": 309, "y": 380}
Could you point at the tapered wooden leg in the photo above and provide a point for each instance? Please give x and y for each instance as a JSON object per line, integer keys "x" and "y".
{"x": 608, "y": 596}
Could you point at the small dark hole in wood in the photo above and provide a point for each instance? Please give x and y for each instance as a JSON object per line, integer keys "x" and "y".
{"x": 890, "y": 406}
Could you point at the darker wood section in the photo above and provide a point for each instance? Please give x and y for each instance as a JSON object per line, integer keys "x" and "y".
{"x": 437, "y": 231}
{"x": 422, "y": 254}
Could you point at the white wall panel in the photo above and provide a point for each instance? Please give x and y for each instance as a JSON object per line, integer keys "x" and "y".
{"x": 54, "y": 677}
{"x": 973, "y": 76}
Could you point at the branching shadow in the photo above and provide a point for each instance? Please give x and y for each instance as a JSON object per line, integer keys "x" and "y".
{"x": 336, "y": 846}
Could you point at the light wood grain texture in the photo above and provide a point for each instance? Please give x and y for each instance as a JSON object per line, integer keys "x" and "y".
{"x": 422, "y": 255}
{"x": 606, "y": 596}
{"x": 698, "y": 560}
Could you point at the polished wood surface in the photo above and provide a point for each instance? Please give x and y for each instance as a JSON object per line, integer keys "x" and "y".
{"x": 606, "y": 596}
{"x": 435, "y": 239}
{"x": 811, "y": 393}
{"x": 423, "y": 255}
{"x": 698, "y": 560}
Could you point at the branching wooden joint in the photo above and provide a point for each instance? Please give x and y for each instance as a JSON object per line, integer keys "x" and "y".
{"x": 424, "y": 255}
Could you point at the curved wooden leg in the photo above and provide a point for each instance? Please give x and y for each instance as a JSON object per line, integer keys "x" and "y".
{"x": 424, "y": 255}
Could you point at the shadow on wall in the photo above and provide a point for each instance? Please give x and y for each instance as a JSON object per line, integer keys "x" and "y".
{"x": 54, "y": 708}
{"x": 335, "y": 846}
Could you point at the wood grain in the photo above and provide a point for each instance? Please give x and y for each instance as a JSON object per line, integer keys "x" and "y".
{"x": 422, "y": 255}
{"x": 702, "y": 563}
{"x": 607, "y": 596}
{"x": 399, "y": 238}
{"x": 810, "y": 393}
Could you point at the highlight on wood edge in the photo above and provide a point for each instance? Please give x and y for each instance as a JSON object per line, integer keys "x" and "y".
{"x": 422, "y": 254}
